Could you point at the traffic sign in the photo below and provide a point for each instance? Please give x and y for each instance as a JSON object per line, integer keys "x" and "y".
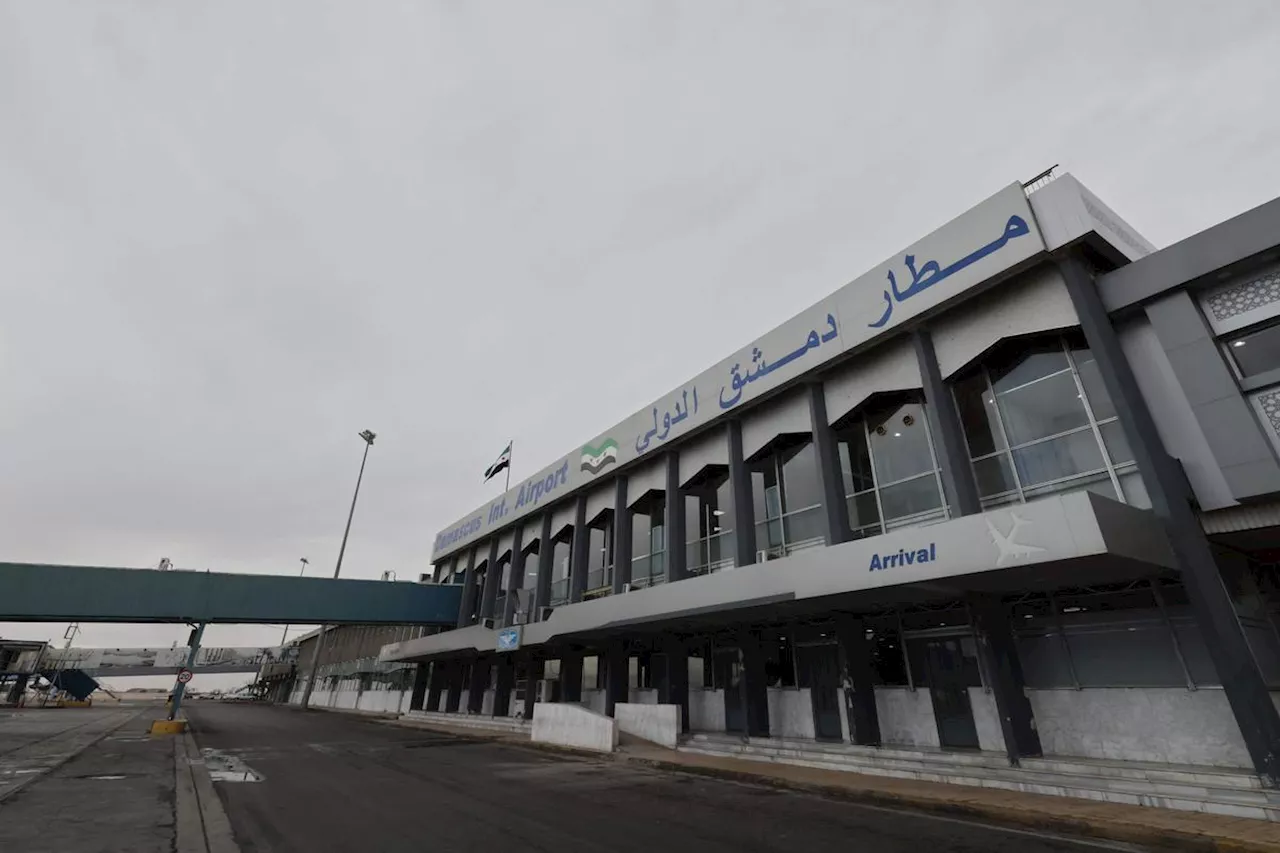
{"x": 184, "y": 676}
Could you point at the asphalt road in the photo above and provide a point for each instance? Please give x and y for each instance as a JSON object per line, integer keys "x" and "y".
{"x": 330, "y": 782}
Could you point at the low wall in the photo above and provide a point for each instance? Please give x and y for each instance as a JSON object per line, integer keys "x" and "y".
{"x": 986, "y": 719}
{"x": 791, "y": 713}
{"x": 1166, "y": 724}
{"x": 706, "y": 710}
{"x": 569, "y": 724}
{"x": 659, "y": 724}
{"x": 906, "y": 717}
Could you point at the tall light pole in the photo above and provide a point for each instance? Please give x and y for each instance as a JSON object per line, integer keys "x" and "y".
{"x": 285, "y": 635}
{"x": 368, "y": 436}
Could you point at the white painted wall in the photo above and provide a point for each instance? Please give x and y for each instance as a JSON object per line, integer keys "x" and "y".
{"x": 1140, "y": 724}
{"x": 593, "y": 699}
{"x": 658, "y": 724}
{"x": 906, "y": 717}
{"x": 643, "y": 696}
{"x": 986, "y": 719}
{"x": 567, "y": 724}
{"x": 706, "y": 710}
{"x": 791, "y": 713}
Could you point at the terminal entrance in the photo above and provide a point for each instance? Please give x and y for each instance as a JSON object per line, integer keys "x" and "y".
{"x": 951, "y": 668}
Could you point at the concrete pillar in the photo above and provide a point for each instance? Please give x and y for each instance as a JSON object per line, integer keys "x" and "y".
{"x": 468, "y": 593}
{"x": 580, "y": 551}
{"x": 755, "y": 686}
{"x": 673, "y": 678}
{"x": 948, "y": 437}
{"x": 621, "y": 535}
{"x": 505, "y": 667}
{"x": 571, "y": 676}
{"x": 421, "y": 676}
{"x": 533, "y": 675}
{"x": 477, "y": 684}
{"x": 546, "y": 553}
{"x": 744, "y": 510}
{"x": 858, "y": 683}
{"x": 1004, "y": 670}
{"x": 1171, "y": 501}
{"x": 674, "y": 520}
{"x": 437, "y": 683}
{"x": 454, "y": 673}
{"x": 617, "y": 665}
{"x": 492, "y": 580}
{"x": 516, "y": 581}
{"x": 835, "y": 513}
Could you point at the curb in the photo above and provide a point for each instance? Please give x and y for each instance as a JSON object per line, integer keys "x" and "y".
{"x": 200, "y": 823}
{"x": 1019, "y": 818}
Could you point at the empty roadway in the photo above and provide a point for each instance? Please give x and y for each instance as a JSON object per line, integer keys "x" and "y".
{"x": 333, "y": 782}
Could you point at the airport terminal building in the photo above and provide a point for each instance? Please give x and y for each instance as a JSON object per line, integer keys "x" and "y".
{"x": 1015, "y": 491}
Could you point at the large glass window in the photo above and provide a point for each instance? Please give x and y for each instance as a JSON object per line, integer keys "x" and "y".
{"x": 648, "y": 543}
{"x": 599, "y": 561}
{"x": 889, "y": 471}
{"x": 709, "y": 525}
{"x": 788, "y": 500}
{"x": 560, "y": 556}
{"x": 1039, "y": 421}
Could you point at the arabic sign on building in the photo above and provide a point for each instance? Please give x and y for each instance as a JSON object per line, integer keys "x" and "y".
{"x": 998, "y": 234}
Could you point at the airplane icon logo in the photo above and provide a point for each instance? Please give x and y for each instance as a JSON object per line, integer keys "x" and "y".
{"x": 1011, "y": 550}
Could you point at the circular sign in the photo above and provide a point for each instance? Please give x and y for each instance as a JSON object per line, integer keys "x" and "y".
{"x": 184, "y": 675}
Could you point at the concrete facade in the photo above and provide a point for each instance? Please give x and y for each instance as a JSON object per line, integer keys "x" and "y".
{"x": 1016, "y": 491}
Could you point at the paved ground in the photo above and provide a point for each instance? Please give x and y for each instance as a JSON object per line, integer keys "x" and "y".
{"x": 93, "y": 781}
{"x": 330, "y": 782}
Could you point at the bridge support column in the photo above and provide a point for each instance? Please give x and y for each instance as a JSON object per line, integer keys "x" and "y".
{"x": 180, "y": 686}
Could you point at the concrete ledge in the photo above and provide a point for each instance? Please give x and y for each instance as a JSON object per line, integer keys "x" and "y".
{"x": 658, "y": 724}
{"x": 569, "y": 724}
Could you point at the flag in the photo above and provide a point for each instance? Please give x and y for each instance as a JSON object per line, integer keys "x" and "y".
{"x": 504, "y": 461}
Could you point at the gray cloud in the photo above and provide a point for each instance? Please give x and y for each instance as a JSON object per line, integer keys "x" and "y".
{"x": 233, "y": 235}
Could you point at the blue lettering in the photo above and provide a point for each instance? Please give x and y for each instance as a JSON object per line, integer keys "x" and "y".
{"x": 875, "y": 563}
{"x": 879, "y": 562}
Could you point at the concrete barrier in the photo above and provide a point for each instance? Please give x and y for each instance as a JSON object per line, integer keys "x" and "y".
{"x": 657, "y": 723}
{"x": 569, "y": 724}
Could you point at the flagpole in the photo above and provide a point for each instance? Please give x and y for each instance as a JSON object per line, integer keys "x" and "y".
{"x": 510, "y": 448}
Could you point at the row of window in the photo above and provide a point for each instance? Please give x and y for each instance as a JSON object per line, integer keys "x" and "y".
{"x": 1036, "y": 420}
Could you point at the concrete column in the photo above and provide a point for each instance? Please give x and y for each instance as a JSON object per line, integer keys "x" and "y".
{"x": 533, "y": 675}
{"x": 506, "y": 679}
{"x": 617, "y": 686}
{"x": 477, "y": 684}
{"x": 948, "y": 437}
{"x": 1171, "y": 500}
{"x": 621, "y": 536}
{"x": 835, "y": 514}
{"x": 516, "y": 581}
{"x": 755, "y": 687}
{"x": 674, "y": 521}
{"x": 468, "y": 594}
{"x": 437, "y": 683}
{"x": 571, "y": 676}
{"x": 859, "y": 682}
{"x": 546, "y": 553}
{"x": 1004, "y": 669}
{"x": 744, "y": 510}
{"x": 492, "y": 580}
{"x": 421, "y": 675}
{"x": 453, "y": 679}
{"x": 580, "y": 551}
{"x": 673, "y": 679}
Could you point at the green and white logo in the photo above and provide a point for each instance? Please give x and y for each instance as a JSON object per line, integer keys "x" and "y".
{"x": 596, "y": 459}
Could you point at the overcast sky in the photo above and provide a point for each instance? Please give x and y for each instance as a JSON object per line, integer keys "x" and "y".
{"x": 233, "y": 235}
